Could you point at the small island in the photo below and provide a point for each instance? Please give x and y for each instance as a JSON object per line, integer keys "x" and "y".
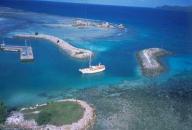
{"x": 68, "y": 114}
{"x": 149, "y": 61}
{"x": 68, "y": 48}
{"x": 81, "y": 23}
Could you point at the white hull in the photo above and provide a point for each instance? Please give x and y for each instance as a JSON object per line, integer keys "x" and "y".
{"x": 92, "y": 69}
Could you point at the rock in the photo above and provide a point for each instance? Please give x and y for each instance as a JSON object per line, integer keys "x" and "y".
{"x": 149, "y": 61}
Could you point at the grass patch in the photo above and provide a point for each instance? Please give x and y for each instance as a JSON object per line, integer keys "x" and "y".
{"x": 59, "y": 113}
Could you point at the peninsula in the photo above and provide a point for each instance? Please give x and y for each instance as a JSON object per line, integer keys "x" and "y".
{"x": 68, "y": 48}
{"x": 68, "y": 114}
{"x": 176, "y": 8}
{"x": 149, "y": 61}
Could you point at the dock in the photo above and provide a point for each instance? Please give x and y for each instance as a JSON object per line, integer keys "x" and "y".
{"x": 73, "y": 51}
{"x": 26, "y": 52}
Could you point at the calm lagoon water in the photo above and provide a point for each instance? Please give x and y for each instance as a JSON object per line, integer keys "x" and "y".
{"x": 148, "y": 103}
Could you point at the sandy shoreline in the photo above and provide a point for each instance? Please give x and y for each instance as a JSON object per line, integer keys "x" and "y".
{"x": 17, "y": 119}
{"x": 68, "y": 48}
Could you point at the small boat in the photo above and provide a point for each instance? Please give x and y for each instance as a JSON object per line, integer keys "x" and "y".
{"x": 92, "y": 68}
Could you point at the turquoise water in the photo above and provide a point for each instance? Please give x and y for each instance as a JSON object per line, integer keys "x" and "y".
{"x": 123, "y": 97}
{"x": 53, "y": 70}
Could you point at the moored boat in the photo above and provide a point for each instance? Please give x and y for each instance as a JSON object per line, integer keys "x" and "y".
{"x": 92, "y": 68}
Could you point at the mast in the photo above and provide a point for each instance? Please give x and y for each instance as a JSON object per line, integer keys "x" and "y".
{"x": 26, "y": 47}
{"x": 90, "y": 61}
{"x": 25, "y": 42}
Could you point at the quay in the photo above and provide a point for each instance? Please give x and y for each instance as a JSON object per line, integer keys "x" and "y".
{"x": 26, "y": 52}
{"x": 73, "y": 51}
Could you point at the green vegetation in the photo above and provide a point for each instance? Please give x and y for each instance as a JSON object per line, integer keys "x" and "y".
{"x": 56, "y": 113}
{"x": 3, "y": 112}
{"x": 44, "y": 117}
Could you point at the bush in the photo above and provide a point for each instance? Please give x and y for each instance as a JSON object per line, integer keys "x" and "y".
{"x": 36, "y": 33}
{"x": 44, "y": 118}
{"x": 3, "y": 112}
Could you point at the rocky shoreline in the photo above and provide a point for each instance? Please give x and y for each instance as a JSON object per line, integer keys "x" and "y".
{"x": 82, "y": 23}
{"x": 149, "y": 61}
{"x": 65, "y": 46}
{"x": 16, "y": 119}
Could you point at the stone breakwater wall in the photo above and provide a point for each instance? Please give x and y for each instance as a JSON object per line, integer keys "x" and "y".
{"x": 149, "y": 61}
{"x": 65, "y": 46}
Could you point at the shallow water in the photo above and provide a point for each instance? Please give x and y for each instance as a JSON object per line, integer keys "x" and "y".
{"x": 123, "y": 97}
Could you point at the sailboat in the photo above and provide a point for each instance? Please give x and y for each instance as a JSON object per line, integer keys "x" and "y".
{"x": 92, "y": 68}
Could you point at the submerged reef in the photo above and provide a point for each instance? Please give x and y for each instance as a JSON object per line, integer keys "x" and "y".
{"x": 145, "y": 105}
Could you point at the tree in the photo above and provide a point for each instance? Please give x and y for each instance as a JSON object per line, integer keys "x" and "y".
{"x": 44, "y": 118}
{"x": 36, "y": 33}
{"x": 3, "y": 112}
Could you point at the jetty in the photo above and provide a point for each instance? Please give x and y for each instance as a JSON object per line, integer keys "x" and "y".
{"x": 149, "y": 61}
{"x": 26, "y": 52}
{"x": 65, "y": 46}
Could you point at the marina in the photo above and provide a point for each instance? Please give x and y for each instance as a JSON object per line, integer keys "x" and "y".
{"x": 132, "y": 65}
{"x": 26, "y": 52}
{"x": 75, "y": 52}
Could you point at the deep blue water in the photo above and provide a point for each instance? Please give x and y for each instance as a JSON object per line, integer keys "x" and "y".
{"x": 54, "y": 71}
{"x": 123, "y": 97}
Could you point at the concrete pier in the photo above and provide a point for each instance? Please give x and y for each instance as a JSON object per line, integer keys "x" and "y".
{"x": 73, "y": 51}
{"x": 26, "y": 52}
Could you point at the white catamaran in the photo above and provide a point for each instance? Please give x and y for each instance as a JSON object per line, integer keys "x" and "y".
{"x": 92, "y": 69}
